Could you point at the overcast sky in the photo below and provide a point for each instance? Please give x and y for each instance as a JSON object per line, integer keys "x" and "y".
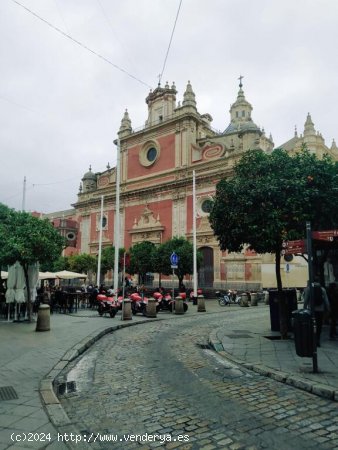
{"x": 61, "y": 106}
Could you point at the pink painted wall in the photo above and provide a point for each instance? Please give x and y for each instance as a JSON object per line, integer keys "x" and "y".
{"x": 165, "y": 161}
{"x": 163, "y": 208}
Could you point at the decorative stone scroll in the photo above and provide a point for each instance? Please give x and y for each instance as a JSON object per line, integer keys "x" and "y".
{"x": 147, "y": 228}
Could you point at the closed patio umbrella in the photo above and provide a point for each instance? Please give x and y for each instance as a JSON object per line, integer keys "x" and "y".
{"x": 20, "y": 284}
{"x": 10, "y": 292}
{"x": 20, "y": 287}
{"x": 33, "y": 279}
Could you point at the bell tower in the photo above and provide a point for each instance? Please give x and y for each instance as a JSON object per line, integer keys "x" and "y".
{"x": 161, "y": 104}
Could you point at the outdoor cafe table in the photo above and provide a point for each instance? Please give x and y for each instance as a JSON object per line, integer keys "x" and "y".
{"x": 72, "y": 301}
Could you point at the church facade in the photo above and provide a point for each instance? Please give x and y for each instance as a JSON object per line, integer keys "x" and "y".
{"x": 156, "y": 167}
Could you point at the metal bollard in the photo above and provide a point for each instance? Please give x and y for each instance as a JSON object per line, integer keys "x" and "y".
{"x": 126, "y": 310}
{"x": 254, "y": 299}
{"x": 266, "y": 297}
{"x": 179, "y": 308}
{"x": 201, "y": 303}
{"x": 244, "y": 300}
{"x": 151, "y": 308}
{"x": 43, "y": 320}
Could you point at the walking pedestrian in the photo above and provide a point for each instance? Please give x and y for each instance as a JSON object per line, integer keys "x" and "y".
{"x": 320, "y": 303}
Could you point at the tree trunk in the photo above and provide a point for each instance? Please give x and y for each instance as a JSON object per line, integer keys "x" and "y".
{"x": 282, "y": 301}
{"x": 180, "y": 281}
{"x": 29, "y": 302}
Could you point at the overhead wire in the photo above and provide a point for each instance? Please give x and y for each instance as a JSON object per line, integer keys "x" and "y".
{"x": 17, "y": 104}
{"x": 171, "y": 38}
{"x": 81, "y": 44}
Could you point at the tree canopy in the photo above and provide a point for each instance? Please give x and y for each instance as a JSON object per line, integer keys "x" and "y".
{"x": 108, "y": 259}
{"x": 83, "y": 263}
{"x": 28, "y": 240}
{"x": 142, "y": 259}
{"x": 184, "y": 249}
{"x": 270, "y": 198}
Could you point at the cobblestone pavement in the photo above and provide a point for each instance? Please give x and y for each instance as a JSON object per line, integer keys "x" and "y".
{"x": 159, "y": 378}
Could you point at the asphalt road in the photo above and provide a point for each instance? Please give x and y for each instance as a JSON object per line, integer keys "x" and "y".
{"x": 159, "y": 379}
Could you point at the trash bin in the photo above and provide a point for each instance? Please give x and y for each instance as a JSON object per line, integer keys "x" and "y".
{"x": 303, "y": 332}
{"x": 290, "y": 298}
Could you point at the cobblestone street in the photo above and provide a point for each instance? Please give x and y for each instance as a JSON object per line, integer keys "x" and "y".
{"x": 160, "y": 378}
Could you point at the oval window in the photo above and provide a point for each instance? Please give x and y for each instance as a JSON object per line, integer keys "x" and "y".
{"x": 70, "y": 236}
{"x": 151, "y": 154}
{"x": 206, "y": 206}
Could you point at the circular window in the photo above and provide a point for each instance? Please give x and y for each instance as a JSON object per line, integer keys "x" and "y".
{"x": 206, "y": 206}
{"x": 151, "y": 154}
{"x": 70, "y": 236}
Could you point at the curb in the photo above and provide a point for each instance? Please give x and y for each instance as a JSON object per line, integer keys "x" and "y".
{"x": 321, "y": 390}
{"x": 49, "y": 400}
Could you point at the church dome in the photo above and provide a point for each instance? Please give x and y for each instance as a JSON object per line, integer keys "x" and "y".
{"x": 240, "y": 115}
{"x": 89, "y": 175}
{"x": 89, "y": 181}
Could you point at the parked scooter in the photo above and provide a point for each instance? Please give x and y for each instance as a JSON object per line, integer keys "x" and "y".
{"x": 234, "y": 297}
{"x": 163, "y": 301}
{"x": 225, "y": 299}
{"x": 138, "y": 304}
{"x": 106, "y": 305}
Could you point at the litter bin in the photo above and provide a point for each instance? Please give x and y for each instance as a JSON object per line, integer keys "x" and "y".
{"x": 303, "y": 332}
{"x": 291, "y": 300}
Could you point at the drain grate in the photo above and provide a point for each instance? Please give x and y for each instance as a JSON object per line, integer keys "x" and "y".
{"x": 238, "y": 336}
{"x": 8, "y": 393}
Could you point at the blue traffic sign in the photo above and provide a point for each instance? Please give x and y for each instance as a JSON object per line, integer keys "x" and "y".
{"x": 174, "y": 259}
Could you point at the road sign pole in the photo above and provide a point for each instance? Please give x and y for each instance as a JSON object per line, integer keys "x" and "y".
{"x": 173, "y": 299}
{"x": 310, "y": 267}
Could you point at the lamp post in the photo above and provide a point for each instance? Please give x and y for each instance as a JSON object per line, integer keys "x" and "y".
{"x": 100, "y": 245}
{"x": 194, "y": 233}
{"x": 310, "y": 268}
{"x": 117, "y": 221}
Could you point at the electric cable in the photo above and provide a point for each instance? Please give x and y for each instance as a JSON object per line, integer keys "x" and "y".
{"x": 81, "y": 45}
{"x": 171, "y": 38}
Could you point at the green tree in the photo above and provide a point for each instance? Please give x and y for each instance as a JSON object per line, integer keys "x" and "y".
{"x": 6, "y": 216}
{"x": 29, "y": 240}
{"x": 269, "y": 199}
{"x": 83, "y": 263}
{"x": 108, "y": 259}
{"x": 142, "y": 259}
{"x": 184, "y": 249}
{"x": 61, "y": 263}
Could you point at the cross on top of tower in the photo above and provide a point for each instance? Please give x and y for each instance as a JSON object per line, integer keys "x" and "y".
{"x": 240, "y": 80}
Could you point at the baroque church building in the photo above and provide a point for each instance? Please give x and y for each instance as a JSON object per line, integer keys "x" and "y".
{"x": 156, "y": 167}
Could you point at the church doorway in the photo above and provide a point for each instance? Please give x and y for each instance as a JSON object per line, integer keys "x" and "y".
{"x": 206, "y": 271}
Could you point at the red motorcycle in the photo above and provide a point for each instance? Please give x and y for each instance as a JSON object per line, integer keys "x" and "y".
{"x": 191, "y": 297}
{"x": 163, "y": 301}
{"x": 138, "y": 304}
{"x": 106, "y": 305}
